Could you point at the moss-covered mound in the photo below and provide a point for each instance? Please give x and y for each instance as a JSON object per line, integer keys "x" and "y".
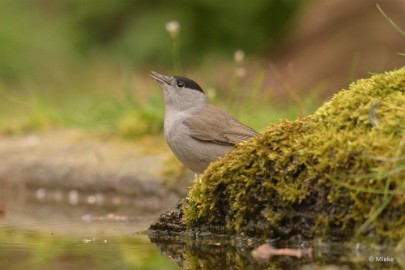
{"x": 339, "y": 172}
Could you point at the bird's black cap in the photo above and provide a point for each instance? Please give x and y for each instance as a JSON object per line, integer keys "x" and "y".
{"x": 188, "y": 83}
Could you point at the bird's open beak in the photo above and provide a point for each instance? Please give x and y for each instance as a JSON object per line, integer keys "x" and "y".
{"x": 162, "y": 79}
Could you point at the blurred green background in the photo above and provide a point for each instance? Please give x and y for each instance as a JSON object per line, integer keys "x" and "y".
{"x": 85, "y": 64}
{"x": 40, "y": 38}
{"x": 75, "y": 63}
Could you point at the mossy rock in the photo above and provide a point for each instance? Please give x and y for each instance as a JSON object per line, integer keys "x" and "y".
{"x": 339, "y": 172}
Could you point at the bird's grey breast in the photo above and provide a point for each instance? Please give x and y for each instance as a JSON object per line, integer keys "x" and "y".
{"x": 173, "y": 124}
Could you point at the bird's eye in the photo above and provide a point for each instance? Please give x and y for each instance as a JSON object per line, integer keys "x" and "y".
{"x": 180, "y": 84}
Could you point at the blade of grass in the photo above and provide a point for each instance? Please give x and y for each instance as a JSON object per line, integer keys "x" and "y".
{"x": 391, "y": 21}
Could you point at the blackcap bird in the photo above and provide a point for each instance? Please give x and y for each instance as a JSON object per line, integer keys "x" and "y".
{"x": 197, "y": 132}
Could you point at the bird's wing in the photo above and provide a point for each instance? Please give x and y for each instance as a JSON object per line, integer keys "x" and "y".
{"x": 214, "y": 125}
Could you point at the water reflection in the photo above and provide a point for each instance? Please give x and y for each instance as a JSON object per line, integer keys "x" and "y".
{"x": 232, "y": 254}
{"x": 43, "y": 229}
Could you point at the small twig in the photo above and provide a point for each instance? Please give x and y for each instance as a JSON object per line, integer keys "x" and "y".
{"x": 266, "y": 251}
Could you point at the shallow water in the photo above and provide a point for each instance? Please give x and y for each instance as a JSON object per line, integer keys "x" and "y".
{"x": 39, "y": 232}
{"x": 49, "y": 230}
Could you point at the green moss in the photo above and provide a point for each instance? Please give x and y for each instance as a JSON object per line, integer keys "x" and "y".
{"x": 340, "y": 171}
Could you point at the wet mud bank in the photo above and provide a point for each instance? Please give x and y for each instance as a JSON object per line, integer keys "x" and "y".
{"x": 67, "y": 165}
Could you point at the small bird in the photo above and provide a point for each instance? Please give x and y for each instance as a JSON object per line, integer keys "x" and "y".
{"x": 197, "y": 132}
